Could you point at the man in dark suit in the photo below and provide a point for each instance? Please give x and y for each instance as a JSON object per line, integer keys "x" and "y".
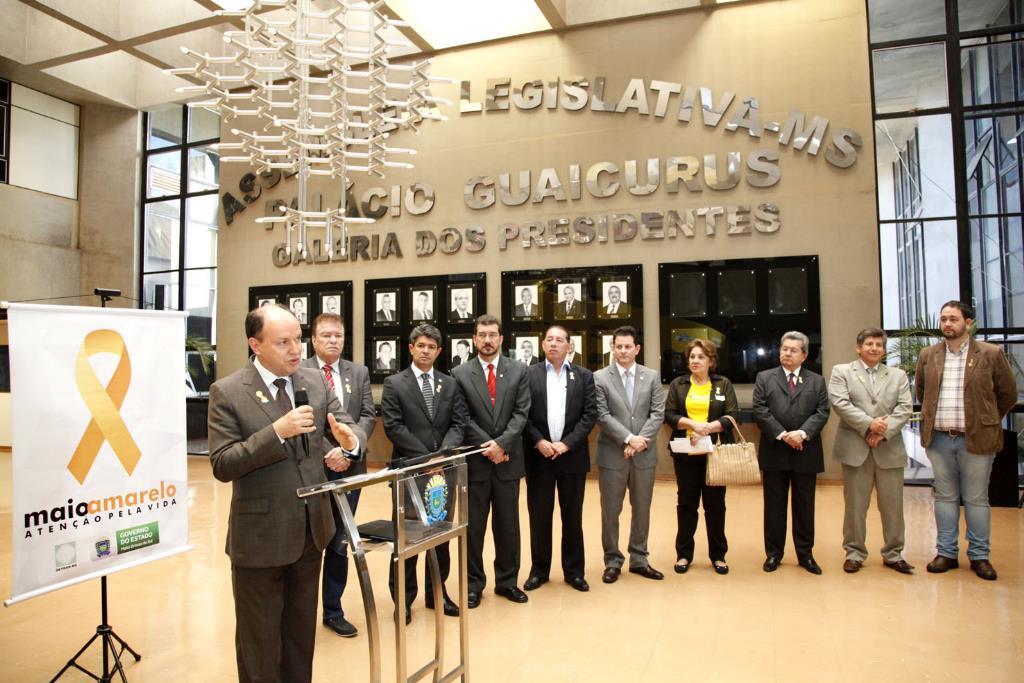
{"x": 569, "y": 306}
{"x": 268, "y": 447}
{"x": 498, "y": 397}
{"x": 462, "y": 352}
{"x": 386, "y": 312}
{"x": 563, "y": 411}
{"x": 385, "y": 358}
{"x": 791, "y": 407}
{"x": 423, "y": 412}
{"x": 525, "y": 309}
{"x": 351, "y": 384}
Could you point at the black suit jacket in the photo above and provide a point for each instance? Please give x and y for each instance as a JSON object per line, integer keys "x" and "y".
{"x": 407, "y": 422}
{"x": 775, "y": 412}
{"x": 567, "y": 310}
{"x": 355, "y": 386}
{"x": 723, "y": 402}
{"x": 580, "y": 418}
{"x": 503, "y": 422}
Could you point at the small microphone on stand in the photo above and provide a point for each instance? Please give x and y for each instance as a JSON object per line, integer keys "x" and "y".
{"x": 302, "y": 399}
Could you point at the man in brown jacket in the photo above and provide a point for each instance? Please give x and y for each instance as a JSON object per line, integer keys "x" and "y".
{"x": 965, "y": 387}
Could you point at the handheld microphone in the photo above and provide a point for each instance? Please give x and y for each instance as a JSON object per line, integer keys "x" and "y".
{"x": 302, "y": 399}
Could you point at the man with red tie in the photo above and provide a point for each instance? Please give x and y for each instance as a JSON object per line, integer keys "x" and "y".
{"x": 351, "y": 383}
{"x": 497, "y": 395}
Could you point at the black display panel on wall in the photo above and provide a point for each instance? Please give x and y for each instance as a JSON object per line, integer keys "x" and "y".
{"x": 589, "y": 302}
{"x": 307, "y": 301}
{"x": 744, "y": 306}
{"x": 394, "y": 306}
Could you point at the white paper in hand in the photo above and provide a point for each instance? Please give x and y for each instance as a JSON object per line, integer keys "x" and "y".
{"x": 702, "y": 446}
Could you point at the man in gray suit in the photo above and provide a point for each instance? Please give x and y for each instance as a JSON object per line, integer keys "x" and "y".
{"x": 423, "y": 412}
{"x": 630, "y": 409}
{"x": 790, "y": 408}
{"x": 873, "y": 403}
{"x": 268, "y": 444}
{"x": 351, "y": 384}
{"x": 497, "y": 395}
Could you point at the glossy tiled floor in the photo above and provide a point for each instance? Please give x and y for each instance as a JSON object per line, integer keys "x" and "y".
{"x": 748, "y": 626}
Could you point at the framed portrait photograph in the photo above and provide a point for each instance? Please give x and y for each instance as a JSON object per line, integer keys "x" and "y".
{"x": 422, "y": 304}
{"x": 569, "y": 300}
{"x": 385, "y": 307}
{"x": 577, "y": 354}
{"x": 299, "y": 306}
{"x": 332, "y": 302}
{"x": 614, "y": 299}
{"x": 606, "y": 350}
{"x": 385, "y": 355}
{"x": 265, "y": 301}
{"x": 526, "y": 303}
{"x": 461, "y": 350}
{"x": 461, "y": 303}
{"x": 304, "y": 349}
{"x": 526, "y": 349}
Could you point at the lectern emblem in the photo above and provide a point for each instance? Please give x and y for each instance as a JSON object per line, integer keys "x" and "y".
{"x": 435, "y": 498}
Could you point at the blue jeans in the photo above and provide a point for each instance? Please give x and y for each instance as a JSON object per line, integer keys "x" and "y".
{"x": 960, "y": 475}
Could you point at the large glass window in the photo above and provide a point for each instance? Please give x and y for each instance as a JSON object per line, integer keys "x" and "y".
{"x": 179, "y": 215}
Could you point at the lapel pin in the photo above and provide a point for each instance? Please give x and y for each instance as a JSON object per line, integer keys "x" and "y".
{"x": 800, "y": 380}
{"x": 572, "y": 377}
{"x": 438, "y": 390}
{"x": 970, "y": 363}
{"x": 261, "y": 397}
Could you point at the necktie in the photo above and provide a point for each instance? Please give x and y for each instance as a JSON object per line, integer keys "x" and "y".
{"x": 282, "y": 399}
{"x": 792, "y": 383}
{"x": 330, "y": 380}
{"x": 492, "y": 383}
{"x": 428, "y": 394}
{"x": 629, "y": 387}
{"x": 871, "y": 377}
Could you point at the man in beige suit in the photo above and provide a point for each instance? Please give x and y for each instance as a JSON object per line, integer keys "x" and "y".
{"x": 873, "y": 403}
{"x": 274, "y": 426}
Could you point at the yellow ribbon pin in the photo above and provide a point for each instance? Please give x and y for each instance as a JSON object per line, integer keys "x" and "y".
{"x": 104, "y": 403}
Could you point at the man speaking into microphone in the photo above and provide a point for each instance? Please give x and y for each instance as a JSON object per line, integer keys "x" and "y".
{"x": 274, "y": 426}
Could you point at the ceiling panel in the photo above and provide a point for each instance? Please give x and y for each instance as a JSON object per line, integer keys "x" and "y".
{"x": 49, "y": 38}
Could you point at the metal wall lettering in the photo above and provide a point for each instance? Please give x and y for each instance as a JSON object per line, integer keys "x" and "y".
{"x": 843, "y": 152}
{"x": 507, "y": 232}
{"x": 710, "y": 215}
{"x": 529, "y": 95}
{"x": 687, "y": 103}
{"x": 558, "y": 232}
{"x": 634, "y": 97}
{"x": 450, "y": 241}
{"x": 583, "y": 230}
{"x": 623, "y": 226}
{"x": 766, "y": 218}
{"x": 594, "y": 182}
{"x": 747, "y": 116}
{"x": 370, "y": 208}
{"x": 533, "y": 233}
{"x": 685, "y": 169}
{"x": 551, "y": 94}
{"x": 422, "y": 207}
{"x": 653, "y": 178}
{"x": 475, "y": 240}
{"x": 712, "y": 114}
{"x": 665, "y": 90}
{"x": 574, "y": 93}
{"x": 597, "y": 102}
{"x": 478, "y": 192}
{"x": 764, "y": 169}
{"x": 738, "y": 219}
{"x": 574, "y": 181}
{"x": 651, "y": 225}
{"x": 794, "y": 130}
{"x": 497, "y": 94}
{"x": 466, "y": 106}
{"x": 711, "y": 177}
{"x": 548, "y": 185}
{"x": 505, "y": 188}
{"x": 676, "y": 224}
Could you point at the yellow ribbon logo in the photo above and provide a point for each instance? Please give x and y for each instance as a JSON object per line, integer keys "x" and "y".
{"x": 104, "y": 403}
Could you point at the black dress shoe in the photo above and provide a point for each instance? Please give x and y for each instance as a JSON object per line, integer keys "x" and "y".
{"x": 579, "y": 583}
{"x": 534, "y": 582}
{"x": 681, "y": 568}
{"x": 450, "y": 608}
{"x": 342, "y": 627}
{"x": 902, "y": 566}
{"x": 771, "y": 563}
{"x": 611, "y": 575}
{"x": 648, "y": 572}
{"x": 512, "y": 593}
{"x": 810, "y": 565}
{"x": 721, "y": 567}
{"x": 473, "y": 599}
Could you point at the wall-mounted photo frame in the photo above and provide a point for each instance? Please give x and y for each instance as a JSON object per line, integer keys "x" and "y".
{"x": 386, "y": 354}
{"x": 386, "y": 302}
{"x": 569, "y": 303}
{"x": 460, "y": 350}
{"x": 527, "y": 301}
{"x": 462, "y": 300}
{"x": 299, "y": 306}
{"x": 525, "y": 348}
{"x": 265, "y": 301}
{"x": 607, "y": 340}
{"x": 306, "y": 350}
{"x": 615, "y": 299}
{"x": 421, "y": 304}
{"x": 577, "y": 351}
{"x": 332, "y": 302}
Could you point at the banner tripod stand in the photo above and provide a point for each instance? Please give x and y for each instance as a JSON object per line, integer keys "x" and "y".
{"x": 104, "y": 632}
{"x": 108, "y": 639}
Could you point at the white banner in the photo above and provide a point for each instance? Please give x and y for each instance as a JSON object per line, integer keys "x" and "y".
{"x": 99, "y": 471}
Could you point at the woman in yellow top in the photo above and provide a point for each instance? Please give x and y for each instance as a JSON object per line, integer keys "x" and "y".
{"x": 695, "y": 407}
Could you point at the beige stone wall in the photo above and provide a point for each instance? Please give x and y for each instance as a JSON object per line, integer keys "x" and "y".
{"x": 796, "y": 54}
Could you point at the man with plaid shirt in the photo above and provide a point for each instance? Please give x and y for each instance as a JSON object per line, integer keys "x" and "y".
{"x": 965, "y": 387}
